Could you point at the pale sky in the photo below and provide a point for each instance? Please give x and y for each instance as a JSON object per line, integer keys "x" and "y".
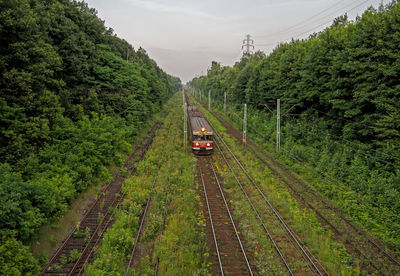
{"x": 184, "y": 36}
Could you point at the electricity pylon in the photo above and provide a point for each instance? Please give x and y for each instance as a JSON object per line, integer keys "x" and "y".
{"x": 247, "y": 44}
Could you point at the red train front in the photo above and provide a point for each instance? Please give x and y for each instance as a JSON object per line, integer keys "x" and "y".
{"x": 202, "y": 134}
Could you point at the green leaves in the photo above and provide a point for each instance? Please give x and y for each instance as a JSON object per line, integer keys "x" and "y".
{"x": 15, "y": 258}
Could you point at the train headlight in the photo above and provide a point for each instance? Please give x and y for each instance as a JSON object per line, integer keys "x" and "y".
{"x": 208, "y": 144}
{"x": 197, "y": 144}
{"x": 203, "y": 129}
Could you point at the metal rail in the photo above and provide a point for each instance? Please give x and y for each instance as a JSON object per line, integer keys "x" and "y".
{"x": 118, "y": 201}
{"x": 212, "y": 224}
{"x": 231, "y": 218}
{"x": 255, "y": 210}
{"x": 62, "y": 247}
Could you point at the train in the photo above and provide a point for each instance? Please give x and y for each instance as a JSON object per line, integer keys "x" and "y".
{"x": 201, "y": 132}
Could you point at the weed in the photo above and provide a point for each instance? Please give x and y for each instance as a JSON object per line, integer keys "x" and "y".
{"x": 74, "y": 255}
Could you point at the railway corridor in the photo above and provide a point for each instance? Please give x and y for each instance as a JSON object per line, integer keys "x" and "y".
{"x": 233, "y": 257}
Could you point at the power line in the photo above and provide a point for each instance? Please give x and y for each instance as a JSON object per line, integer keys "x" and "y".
{"x": 320, "y": 25}
{"x": 327, "y": 22}
{"x": 305, "y": 20}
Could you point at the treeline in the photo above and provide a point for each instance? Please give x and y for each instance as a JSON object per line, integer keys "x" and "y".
{"x": 340, "y": 96}
{"x": 72, "y": 97}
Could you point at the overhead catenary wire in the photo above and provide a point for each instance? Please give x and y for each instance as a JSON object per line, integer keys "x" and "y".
{"x": 382, "y": 249}
{"x": 327, "y": 176}
{"x": 363, "y": 152}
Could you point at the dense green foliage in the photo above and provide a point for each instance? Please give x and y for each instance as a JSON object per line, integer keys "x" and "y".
{"x": 339, "y": 91}
{"x": 70, "y": 104}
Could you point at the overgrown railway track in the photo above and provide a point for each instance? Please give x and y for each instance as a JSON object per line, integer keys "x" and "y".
{"x": 298, "y": 250}
{"x": 140, "y": 230}
{"x": 78, "y": 248}
{"x": 166, "y": 193}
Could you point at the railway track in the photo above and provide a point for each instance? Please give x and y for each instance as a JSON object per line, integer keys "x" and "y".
{"x": 298, "y": 250}
{"x": 78, "y": 248}
{"x": 374, "y": 258}
{"x": 212, "y": 224}
{"x": 231, "y": 255}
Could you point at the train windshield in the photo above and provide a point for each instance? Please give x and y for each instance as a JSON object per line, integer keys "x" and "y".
{"x": 203, "y": 137}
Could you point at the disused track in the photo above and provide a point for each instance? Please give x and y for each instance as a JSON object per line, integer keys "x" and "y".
{"x": 373, "y": 256}
{"x": 166, "y": 193}
{"x": 139, "y": 233}
{"x": 99, "y": 217}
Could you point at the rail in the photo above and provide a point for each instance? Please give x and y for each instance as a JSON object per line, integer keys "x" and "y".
{"x": 231, "y": 218}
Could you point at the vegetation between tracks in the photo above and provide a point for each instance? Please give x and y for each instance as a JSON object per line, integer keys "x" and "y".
{"x": 180, "y": 248}
{"x": 304, "y": 222}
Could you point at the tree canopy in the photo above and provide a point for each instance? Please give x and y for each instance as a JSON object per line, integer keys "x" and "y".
{"x": 72, "y": 97}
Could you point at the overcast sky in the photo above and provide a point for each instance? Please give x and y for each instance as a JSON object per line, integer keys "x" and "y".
{"x": 184, "y": 36}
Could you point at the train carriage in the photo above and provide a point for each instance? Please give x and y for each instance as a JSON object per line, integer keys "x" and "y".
{"x": 201, "y": 132}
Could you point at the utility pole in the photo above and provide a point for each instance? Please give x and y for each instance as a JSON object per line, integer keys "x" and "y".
{"x": 209, "y": 100}
{"x": 278, "y": 124}
{"x": 184, "y": 125}
{"x": 245, "y": 124}
{"x": 225, "y": 102}
{"x": 248, "y": 43}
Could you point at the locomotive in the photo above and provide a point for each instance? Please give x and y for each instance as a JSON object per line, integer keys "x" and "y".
{"x": 201, "y": 132}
